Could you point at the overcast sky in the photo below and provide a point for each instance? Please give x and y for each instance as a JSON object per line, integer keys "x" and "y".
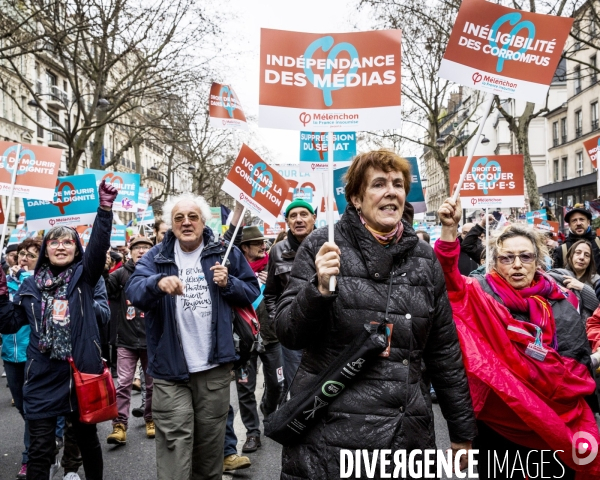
{"x": 242, "y": 29}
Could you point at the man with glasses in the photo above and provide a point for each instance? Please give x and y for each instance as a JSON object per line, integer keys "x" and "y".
{"x": 187, "y": 295}
{"x": 300, "y": 218}
{"x": 254, "y": 249}
{"x": 579, "y": 220}
{"x": 131, "y": 344}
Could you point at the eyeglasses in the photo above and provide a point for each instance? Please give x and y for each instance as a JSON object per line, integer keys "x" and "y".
{"x": 141, "y": 247}
{"x": 30, "y": 256}
{"x": 509, "y": 258}
{"x": 54, "y": 244}
{"x": 192, "y": 217}
{"x": 258, "y": 243}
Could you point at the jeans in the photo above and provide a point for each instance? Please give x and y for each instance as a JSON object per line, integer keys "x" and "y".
{"x": 245, "y": 381}
{"x": 15, "y": 376}
{"x": 230, "y": 438}
{"x": 126, "y": 363}
{"x": 291, "y": 362}
{"x": 190, "y": 419}
{"x": 60, "y": 427}
{"x": 43, "y": 444}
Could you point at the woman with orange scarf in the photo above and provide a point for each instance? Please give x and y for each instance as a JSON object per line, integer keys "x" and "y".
{"x": 527, "y": 358}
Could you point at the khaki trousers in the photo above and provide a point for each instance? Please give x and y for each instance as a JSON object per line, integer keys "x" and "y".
{"x": 190, "y": 425}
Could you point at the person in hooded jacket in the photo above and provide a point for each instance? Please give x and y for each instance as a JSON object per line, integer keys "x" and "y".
{"x": 580, "y": 228}
{"x": 67, "y": 279}
{"x": 380, "y": 265}
{"x": 131, "y": 344}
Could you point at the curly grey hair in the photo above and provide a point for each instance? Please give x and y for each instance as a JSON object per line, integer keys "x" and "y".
{"x": 536, "y": 237}
{"x": 197, "y": 199}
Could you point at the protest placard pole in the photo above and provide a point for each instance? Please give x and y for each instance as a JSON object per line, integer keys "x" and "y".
{"x": 237, "y": 227}
{"x": 486, "y": 112}
{"x": 10, "y": 196}
{"x": 329, "y": 193}
{"x": 487, "y": 238}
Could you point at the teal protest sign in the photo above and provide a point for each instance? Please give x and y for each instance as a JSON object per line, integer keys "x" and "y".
{"x": 215, "y": 221}
{"x": 117, "y": 236}
{"x": 415, "y": 196}
{"x": 148, "y": 217}
{"x": 313, "y": 150}
{"x": 339, "y": 188}
{"x": 75, "y": 203}
{"x": 541, "y": 214}
{"x": 128, "y": 185}
{"x": 20, "y": 234}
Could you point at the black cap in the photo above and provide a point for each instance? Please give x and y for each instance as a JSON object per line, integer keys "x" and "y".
{"x": 13, "y": 247}
{"x": 583, "y": 211}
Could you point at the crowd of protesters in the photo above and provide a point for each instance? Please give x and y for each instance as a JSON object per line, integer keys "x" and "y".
{"x": 505, "y": 335}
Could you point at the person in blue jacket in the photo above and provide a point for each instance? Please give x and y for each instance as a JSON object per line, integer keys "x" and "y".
{"x": 65, "y": 280}
{"x": 187, "y": 296}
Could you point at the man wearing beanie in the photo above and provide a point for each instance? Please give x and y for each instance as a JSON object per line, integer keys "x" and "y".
{"x": 300, "y": 218}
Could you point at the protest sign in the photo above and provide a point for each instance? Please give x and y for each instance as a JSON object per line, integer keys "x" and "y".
{"x": 256, "y": 185}
{"x": 128, "y": 185}
{"x": 314, "y": 146}
{"x": 145, "y": 217}
{"x": 273, "y": 230}
{"x": 329, "y": 81}
{"x": 144, "y": 198}
{"x": 592, "y": 146}
{"x": 493, "y": 181}
{"x": 85, "y": 232}
{"x": 37, "y": 171}
{"x": 416, "y": 196}
{"x": 339, "y": 188}
{"x": 21, "y": 220}
{"x": 20, "y": 234}
{"x": 502, "y": 51}
{"x": 215, "y": 221}
{"x": 75, "y": 203}
{"x": 536, "y": 214}
{"x": 225, "y": 110}
{"x": 545, "y": 225}
{"x": 117, "y": 236}
{"x": 2, "y": 214}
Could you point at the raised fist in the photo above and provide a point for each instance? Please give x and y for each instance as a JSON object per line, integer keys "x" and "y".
{"x": 107, "y": 194}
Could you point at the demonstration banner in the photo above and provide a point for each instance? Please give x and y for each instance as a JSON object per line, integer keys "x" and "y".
{"x": 75, "y": 203}
{"x": 144, "y": 198}
{"x": 416, "y": 197}
{"x": 495, "y": 181}
{"x": 215, "y": 221}
{"x": 36, "y": 173}
{"x": 314, "y": 146}
{"x": 20, "y": 234}
{"x": 128, "y": 185}
{"x": 326, "y": 82}
{"x": 339, "y": 188}
{"x": 225, "y": 110}
{"x": 273, "y": 230}
{"x": 117, "y": 236}
{"x": 145, "y": 217}
{"x": 502, "y": 51}
{"x": 546, "y": 225}
{"x": 531, "y": 216}
{"x": 592, "y": 146}
{"x": 21, "y": 220}
{"x": 85, "y": 232}
{"x": 256, "y": 185}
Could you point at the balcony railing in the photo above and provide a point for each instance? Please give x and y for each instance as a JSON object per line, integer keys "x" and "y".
{"x": 563, "y": 139}
{"x": 578, "y": 131}
{"x": 555, "y": 142}
{"x": 594, "y": 124}
{"x": 59, "y": 94}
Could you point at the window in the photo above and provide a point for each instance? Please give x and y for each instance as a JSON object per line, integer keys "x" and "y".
{"x": 14, "y": 105}
{"x": 555, "y": 134}
{"x": 563, "y": 130}
{"x": 556, "y": 170}
{"x": 579, "y": 157}
{"x": 40, "y": 129}
{"x": 564, "y": 168}
{"x": 578, "y": 123}
{"x": 593, "y": 70}
{"x": 51, "y": 80}
{"x": 576, "y": 35}
{"x": 577, "y": 75}
{"x": 594, "y": 113}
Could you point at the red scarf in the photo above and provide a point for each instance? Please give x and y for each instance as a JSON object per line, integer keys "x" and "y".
{"x": 260, "y": 264}
{"x": 532, "y": 301}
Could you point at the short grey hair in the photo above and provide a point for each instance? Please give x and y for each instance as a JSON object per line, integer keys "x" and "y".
{"x": 199, "y": 200}
{"x": 60, "y": 232}
{"x": 536, "y": 237}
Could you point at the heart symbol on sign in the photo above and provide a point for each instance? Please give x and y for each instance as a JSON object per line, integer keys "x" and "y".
{"x": 59, "y": 189}
{"x": 261, "y": 174}
{"x": 23, "y": 153}
{"x": 486, "y": 173}
{"x": 230, "y": 107}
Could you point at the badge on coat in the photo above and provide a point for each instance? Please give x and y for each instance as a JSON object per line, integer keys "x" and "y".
{"x": 130, "y": 312}
{"x": 59, "y": 311}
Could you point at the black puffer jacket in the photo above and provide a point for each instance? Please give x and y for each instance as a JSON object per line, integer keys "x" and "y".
{"x": 389, "y": 406}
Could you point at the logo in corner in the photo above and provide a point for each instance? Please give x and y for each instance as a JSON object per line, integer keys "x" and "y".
{"x": 305, "y": 118}
{"x": 476, "y": 78}
{"x": 584, "y": 442}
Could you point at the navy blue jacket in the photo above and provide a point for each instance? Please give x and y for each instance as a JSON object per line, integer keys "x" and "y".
{"x": 165, "y": 353}
{"x": 49, "y": 390}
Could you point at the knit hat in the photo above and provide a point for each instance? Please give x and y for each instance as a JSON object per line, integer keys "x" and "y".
{"x": 299, "y": 203}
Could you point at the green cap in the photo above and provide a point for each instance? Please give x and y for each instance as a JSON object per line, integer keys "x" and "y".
{"x": 299, "y": 203}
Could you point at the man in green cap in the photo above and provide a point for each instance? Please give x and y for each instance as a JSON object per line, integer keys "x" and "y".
{"x": 300, "y": 218}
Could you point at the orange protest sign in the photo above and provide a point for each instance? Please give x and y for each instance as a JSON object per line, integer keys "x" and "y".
{"x": 275, "y": 229}
{"x": 36, "y": 173}
{"x": 324, "y": 82}
{"x": 256, "y": 185}
{"x": 545, "y": 225}
{"x": 503, "y": 51}
{"x": 592, "y": 146}
{"x": 492, "y": 181}
{"x": 224, "y": 108}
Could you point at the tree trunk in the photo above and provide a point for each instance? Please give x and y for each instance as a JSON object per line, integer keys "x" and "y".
{"x": 138, "y": 158}
{"x": 521, "y": 132}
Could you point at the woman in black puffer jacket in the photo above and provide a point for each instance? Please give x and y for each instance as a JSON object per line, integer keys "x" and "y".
{"x": 389, "y": 406}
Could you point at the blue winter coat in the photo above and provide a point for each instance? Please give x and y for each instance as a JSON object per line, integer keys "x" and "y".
{"x": 165, "y": 353}
{"x": 14, "y": 345}
{"x": 49, "y": 389}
